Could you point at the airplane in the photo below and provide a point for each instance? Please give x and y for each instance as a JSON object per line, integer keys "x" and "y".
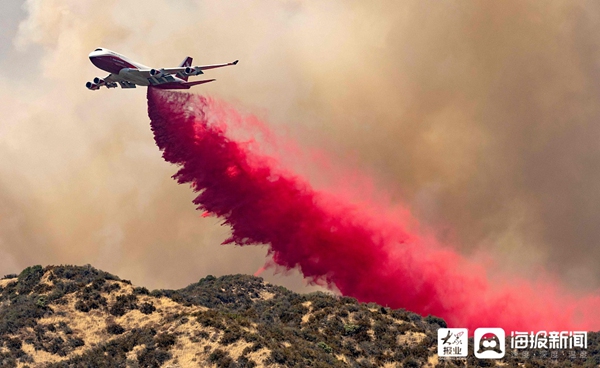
{"x": 128, "y": 74}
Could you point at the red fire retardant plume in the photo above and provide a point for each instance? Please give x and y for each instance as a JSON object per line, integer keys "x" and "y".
{"x": 363, "y": 253}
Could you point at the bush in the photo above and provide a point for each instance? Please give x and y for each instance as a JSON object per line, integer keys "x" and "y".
{"x": 13, "y": 344}
{"x": 325, "y": 347}
{"x": 351, "y": 329}
{"x": 115, "y": 329}
{"x": 65, "y": 328}
{"x": 165, "y": 340}
{"x": 211, "y": 318}
{"x": 76, "y": 342}
{"x": 29, "y": 278}
{"x": 244, "y": 362}
{"x": 150, "y": 357}
{"x": 220, "y": 358}
{"x": 147, "y": 308}
{"x": 436, "y": 320}
{"x": 89, "y": 298}
{"x": 141, "y": 291}
{"x": 410, "y": 362}
{"x": 41, "y": 301}
{"x": 123, "y": 304}
{"x": 231, "y": 335}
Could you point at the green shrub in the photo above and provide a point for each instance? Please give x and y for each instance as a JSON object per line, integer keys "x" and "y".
{"x": 325, "y": 347}
{"x": 29, "y": 278}
{"x": 351, "y": 329}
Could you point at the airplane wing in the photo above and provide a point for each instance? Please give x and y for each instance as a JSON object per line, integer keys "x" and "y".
{"x": 213, "y": 66}
{"x": 165, "y": 75}
{"x": 184, "y": 69}
{"x": 112, "y": 80}
{"x": 128, "y": 78}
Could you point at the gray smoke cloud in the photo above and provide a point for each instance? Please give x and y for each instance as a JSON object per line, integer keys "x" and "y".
{"x": 481, "y": 117}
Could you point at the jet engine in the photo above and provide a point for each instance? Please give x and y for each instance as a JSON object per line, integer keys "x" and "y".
{"x": 99, "y": 81}
{"x": 92, "y": 86}
{"x": 193, "y": 71}
{"x": 157, "y": 73}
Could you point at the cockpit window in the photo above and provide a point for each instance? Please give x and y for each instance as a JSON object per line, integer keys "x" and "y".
{"x": 98, "y": 50}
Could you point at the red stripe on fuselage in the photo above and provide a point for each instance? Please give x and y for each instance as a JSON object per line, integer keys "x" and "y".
{"x": 110, "y": 63}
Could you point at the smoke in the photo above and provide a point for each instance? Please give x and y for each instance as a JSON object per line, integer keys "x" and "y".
{"x": 367, "y": 252}
{"x": 481, "y": 117}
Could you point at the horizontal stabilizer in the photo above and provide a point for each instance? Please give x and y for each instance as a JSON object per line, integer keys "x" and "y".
{"x": 195, "y": 83}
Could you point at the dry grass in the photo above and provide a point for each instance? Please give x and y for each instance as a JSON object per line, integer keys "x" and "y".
{"x": 410, "y": 338}
{"x": 132, "y": 355}
{"x": 306, "y": 317}
{"x": 125, "y": 289}
{"x": 5, "y": 282}
{"x": 433, "y": 360}
{"x": 260, "y": 357}
{"x": 39, "y": 356}
{"x": 46, "y": 278}
{"x": 91, "y": 326}
{"x": 265, "y": 295}
{"x": 398, "y": 321}
{"x": 194, "y": 342}
{"x": 341, "y": 357}
{"x": 191, "y": 350}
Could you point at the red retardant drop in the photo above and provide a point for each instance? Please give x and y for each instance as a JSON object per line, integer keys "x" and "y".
{"x": 360, "y": 252}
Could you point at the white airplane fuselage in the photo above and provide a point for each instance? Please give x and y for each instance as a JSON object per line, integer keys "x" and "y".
{"x": 130, "y": 74}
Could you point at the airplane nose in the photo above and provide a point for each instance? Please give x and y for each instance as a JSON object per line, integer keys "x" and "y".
{"x": 96, "y": 52}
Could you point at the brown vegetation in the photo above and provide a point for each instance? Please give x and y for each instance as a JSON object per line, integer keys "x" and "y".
{"x": 71, "y": 316}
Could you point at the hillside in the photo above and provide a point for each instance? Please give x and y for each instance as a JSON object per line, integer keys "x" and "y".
{"x": 68, "y": 316}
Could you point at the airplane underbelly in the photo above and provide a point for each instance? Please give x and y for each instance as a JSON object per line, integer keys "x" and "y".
{"x": 106, "y": 64}
{"x": 133, "y": 77}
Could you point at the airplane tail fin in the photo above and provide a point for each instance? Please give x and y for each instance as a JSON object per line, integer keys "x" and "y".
{"x": 190, "y": 84}
{"x": 185, "y": 63}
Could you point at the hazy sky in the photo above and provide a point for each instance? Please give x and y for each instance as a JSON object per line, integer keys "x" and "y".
{"x": 481, "y": 116}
